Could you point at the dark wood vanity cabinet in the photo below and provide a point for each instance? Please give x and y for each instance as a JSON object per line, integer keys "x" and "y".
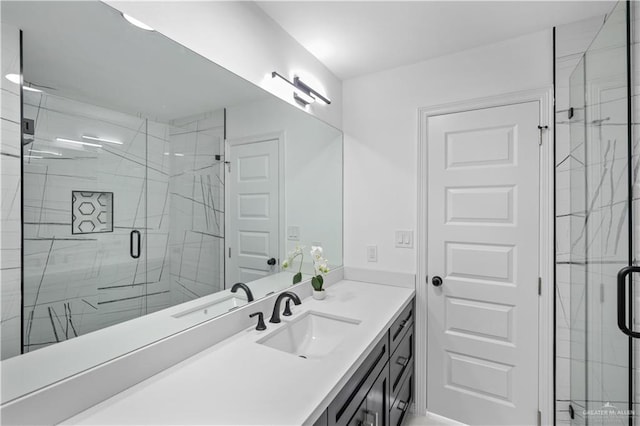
{"x": 381, "y": 390}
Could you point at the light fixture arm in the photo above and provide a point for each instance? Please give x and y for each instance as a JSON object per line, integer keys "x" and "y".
{"x": 309, "y": 90}
{"x": 303, "y": 93}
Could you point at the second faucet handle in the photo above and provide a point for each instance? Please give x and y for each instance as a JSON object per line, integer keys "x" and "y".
{"x": 261, "y": 326}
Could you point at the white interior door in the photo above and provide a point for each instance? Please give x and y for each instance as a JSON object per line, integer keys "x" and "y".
{"x": 483, "y": 233}
{"x": 252, "y": 211}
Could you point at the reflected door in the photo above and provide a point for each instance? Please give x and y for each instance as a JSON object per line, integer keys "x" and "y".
{"x": 253, "y": 186}
{"x": 600, "y": 228}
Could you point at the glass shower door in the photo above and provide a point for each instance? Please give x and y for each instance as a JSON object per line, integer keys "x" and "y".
{"x": 600, "y": 237}
{"x": 85, "y": 216}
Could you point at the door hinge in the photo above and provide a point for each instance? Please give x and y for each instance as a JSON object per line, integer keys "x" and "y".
{"x": 541, "y": 128}
{"x": 539, "y": 286}
{"x": 539, "y": 422}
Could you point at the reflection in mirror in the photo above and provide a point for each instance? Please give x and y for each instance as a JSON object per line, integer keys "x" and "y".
{"x": 154, "y": 180}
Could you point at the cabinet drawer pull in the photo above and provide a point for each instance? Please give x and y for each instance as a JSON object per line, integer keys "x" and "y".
{"x": 403, "y": 361}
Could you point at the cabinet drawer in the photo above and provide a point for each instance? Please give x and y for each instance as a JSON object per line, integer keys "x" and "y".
{"x": 400, "y": 407}
{"x": 346, "y": 403}
{"x": 401, "y": 361}
{"x": 400, "y": 326}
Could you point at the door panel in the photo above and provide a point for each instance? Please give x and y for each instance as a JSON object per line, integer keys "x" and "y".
{"x": 483, "y": 194}
{"x": 253, "y": 186}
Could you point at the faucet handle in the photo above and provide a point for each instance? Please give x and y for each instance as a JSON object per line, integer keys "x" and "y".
{"x": 287, "y": 308}
{"x": 261, "y": 326}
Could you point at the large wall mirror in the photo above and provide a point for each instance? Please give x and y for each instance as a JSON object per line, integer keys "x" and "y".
{"x": 153, "y": 181}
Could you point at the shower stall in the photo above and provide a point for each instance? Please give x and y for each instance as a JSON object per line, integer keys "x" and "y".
{"x": 122, "y": 215}
{"x": 602, "y": 173}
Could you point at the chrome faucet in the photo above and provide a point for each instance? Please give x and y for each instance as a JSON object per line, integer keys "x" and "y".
{"x": 246, "y": 289}
{"x": 275, "y": 317}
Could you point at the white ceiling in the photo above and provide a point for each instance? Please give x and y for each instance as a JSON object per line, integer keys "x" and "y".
{"x": 88, "y": 52}
{"x": 353, "y": 38}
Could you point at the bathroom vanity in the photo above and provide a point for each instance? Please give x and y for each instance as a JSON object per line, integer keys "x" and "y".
{"x": 365, "y": 377}
{"x": 381, "y": 391}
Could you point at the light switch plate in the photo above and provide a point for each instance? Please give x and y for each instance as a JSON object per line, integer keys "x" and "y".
{"x": 404, "y": 239}
{"x": 293, "y": 233}
{"x": 372, "y": 253}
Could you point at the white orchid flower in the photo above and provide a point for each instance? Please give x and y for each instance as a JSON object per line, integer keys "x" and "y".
{"x": 316, "y": 252}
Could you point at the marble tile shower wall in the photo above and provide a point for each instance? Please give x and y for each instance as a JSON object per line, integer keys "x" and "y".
{"x": 196, "y": 193}
{"x": 163, "y": 181}
{"x": 10, "y": 230}
{"x": 571, "y": 42}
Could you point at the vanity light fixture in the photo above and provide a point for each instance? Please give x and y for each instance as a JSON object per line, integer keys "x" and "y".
{"x": 133, "y": 21}
{"x": 78, "y": 142}
{"x": 302, "y": 93}
{"x": 310, "y": 91}
{"x": 93, "y": 138}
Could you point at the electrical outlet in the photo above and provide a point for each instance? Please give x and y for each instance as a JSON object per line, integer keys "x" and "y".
{"x": 404, "y": 239}
{"x": 372, "y": 253}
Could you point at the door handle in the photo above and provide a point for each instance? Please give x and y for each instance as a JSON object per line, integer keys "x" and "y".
{"x": 271, "y": 261}
{"x": 135, "y": 254}
{"x": 622, "y": 305}
{"x": 436, "y": 281}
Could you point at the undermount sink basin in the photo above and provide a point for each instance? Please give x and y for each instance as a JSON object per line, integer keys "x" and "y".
{"x": 213, "y": 308}
{"x": 313, "y": 335}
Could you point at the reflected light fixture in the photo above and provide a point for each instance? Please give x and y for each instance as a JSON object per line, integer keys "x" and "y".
{"x": 45, "y": 152}
{"x": 15, "y": 78}
{"x": 302, "y": 93}
{"x": 133, "y": 21}
{"x": 93, "y": 138}
{"x": 78, "y": 142}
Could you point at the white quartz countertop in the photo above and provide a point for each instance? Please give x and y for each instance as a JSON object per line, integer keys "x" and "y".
{"x": 241, "y": 382}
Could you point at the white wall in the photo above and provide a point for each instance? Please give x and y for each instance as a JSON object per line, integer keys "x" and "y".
{"x": 312, "y": 173}
{"x": 242, "y": 38}
{"x": 381, "y": 134}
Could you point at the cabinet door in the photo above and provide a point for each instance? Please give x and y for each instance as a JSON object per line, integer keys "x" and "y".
{"x": 360, "y": 416}
{"x": 377, "y": 412}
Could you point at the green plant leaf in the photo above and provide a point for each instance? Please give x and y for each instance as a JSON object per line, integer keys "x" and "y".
{"x": 316, "y": 283}
{"x": 297, "y": 278}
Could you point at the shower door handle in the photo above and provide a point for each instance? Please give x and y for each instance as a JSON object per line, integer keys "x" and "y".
{"x": 134, "y": 235}
{"x": 622, "y": 305}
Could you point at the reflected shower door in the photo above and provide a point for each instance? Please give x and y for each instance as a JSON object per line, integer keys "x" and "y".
{"x": 85, "y": 205}
{"x": 600, "y": 237}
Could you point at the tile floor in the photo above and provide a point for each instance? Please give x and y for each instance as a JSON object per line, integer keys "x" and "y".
{"x": 429, "y": 420}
